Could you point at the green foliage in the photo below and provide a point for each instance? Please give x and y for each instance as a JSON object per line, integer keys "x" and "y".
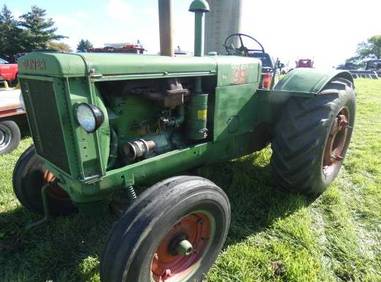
{"x": 33, "y": 30}
{"x": 84, "y": 45}
{"x": 274, "y": 236}
{"x": 11, "y": 34}
{"x": 372, "y": 47}
{"x": 59, "y": 46}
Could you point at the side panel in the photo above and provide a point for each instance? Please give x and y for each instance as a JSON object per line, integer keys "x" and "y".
{"x": 234, "y": 112}
{"x": 93, "y": 148}
{"x": 237, "y": 81}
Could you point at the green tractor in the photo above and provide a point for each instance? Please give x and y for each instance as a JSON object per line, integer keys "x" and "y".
{"x": 103, "y": 124}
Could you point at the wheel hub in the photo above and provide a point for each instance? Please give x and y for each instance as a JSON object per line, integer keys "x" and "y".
{"x": 5, "y": 136}
{"x": 181, "y": 248}
{"x": 2, "y": 137}
{"x": 336, "y": 142}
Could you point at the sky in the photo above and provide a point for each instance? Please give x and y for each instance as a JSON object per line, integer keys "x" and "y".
{"x": 327, "y": 30}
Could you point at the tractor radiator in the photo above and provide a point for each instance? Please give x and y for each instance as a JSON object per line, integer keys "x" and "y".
{"x": 45, "y": 123}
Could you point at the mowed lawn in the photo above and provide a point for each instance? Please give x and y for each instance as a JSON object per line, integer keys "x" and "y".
{"x": 274, "y": 236}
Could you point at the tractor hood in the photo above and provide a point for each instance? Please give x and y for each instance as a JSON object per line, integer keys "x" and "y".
{"x": 80, "y": 64}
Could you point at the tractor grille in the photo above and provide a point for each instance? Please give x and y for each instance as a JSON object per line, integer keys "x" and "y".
{"x": 45, "y": 123}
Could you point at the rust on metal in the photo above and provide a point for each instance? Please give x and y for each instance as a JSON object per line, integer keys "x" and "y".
{"x": 336, "y": 143}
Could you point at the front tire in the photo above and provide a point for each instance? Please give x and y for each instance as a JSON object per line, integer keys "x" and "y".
{"x": 312, "y": 138}
{"x": 29, "y": 176}
{"x": 9, "y": 136}
{"x": 174, "y": 231}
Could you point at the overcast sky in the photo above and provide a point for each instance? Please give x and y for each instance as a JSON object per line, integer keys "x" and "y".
{"x": 326, "y": 30}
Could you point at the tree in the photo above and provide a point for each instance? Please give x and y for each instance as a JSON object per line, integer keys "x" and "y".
{"x": 84, "y": 45}
{"x": 11, "y": 34}
{"x": 372, "y": 47}
{"x": 59, "y": 46}
{"x": 31, "y": 31}
{"x": 39, "y": 29}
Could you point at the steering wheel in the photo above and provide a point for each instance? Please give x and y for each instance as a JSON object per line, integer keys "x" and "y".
{"x": 234, "y": 45}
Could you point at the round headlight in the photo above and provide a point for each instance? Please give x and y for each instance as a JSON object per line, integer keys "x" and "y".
{"x": 89, "y": 117}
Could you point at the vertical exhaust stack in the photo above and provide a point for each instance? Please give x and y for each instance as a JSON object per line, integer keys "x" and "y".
{"x": 165, "y": 27}
{"x": 198, "y": 106}
{"x": 199, "y": 7}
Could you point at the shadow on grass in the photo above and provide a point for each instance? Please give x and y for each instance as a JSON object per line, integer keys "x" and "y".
{"x": 66, "y": 249}
{"x": 255, "y": 202}
{"x": 55, "y": 251}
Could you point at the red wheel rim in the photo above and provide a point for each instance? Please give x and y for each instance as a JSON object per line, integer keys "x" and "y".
{"x": 169, "y": 266}
{"x": 54, "y": 189}
{"x": 336, "y": 143}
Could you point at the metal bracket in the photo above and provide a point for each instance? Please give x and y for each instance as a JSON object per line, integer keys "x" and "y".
{"x": 45, "y": 207}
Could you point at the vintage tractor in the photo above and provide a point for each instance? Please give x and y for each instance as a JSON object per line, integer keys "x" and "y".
{"x": 103, "y": 124}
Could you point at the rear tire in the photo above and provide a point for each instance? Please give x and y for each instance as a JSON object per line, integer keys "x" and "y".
{"x": 143, "y": 244}
{"x": 9, "y": 136}
{"x": 312, "y": 137}
{"x": 29, "y": 176}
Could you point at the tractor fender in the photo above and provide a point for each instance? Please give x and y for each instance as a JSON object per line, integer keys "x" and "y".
{"x": 309, "y": 80}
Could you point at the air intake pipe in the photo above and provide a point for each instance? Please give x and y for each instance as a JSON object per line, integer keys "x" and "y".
{"x": 166, "y": 27}
{"x": 199, "y": 7}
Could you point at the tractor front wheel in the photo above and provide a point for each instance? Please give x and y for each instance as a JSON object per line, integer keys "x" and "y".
{"x": 312, "y": 138}
{"x": 172, "y": 232}
{"x": 29, "y": 176}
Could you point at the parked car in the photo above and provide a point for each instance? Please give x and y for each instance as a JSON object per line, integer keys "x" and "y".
{"x": 8, "y": 72}
{"x": 12, "y": 117}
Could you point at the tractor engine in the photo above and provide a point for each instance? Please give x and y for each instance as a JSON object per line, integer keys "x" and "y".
{"x": 151, "y": 117}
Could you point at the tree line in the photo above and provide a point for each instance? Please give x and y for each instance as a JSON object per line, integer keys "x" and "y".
{"x": 31, "y": 31}
{"x": 370, "y": 49}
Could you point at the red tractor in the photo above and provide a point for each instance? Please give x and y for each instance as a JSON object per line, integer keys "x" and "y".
{"x": 304, "y": 63}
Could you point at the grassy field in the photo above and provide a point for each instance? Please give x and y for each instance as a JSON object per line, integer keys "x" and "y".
{"x": 273, "y": 237}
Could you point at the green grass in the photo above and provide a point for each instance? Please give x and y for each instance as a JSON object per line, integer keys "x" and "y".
{"x": 274, "y": 236}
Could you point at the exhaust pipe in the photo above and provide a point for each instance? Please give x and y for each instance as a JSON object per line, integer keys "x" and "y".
{"x": 165, "y": 27}
{"x": 199, "y": 8}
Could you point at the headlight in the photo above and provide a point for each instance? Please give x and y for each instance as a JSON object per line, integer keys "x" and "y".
{"x": 89, "y": 117}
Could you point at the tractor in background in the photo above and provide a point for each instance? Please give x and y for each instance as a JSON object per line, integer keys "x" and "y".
{"x": 304, "y": 63}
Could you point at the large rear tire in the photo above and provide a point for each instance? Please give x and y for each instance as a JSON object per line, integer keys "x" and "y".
{"x": 173, "y": 231}
{"x": 312, "y": 138}
{"x": 29, "y": 176}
